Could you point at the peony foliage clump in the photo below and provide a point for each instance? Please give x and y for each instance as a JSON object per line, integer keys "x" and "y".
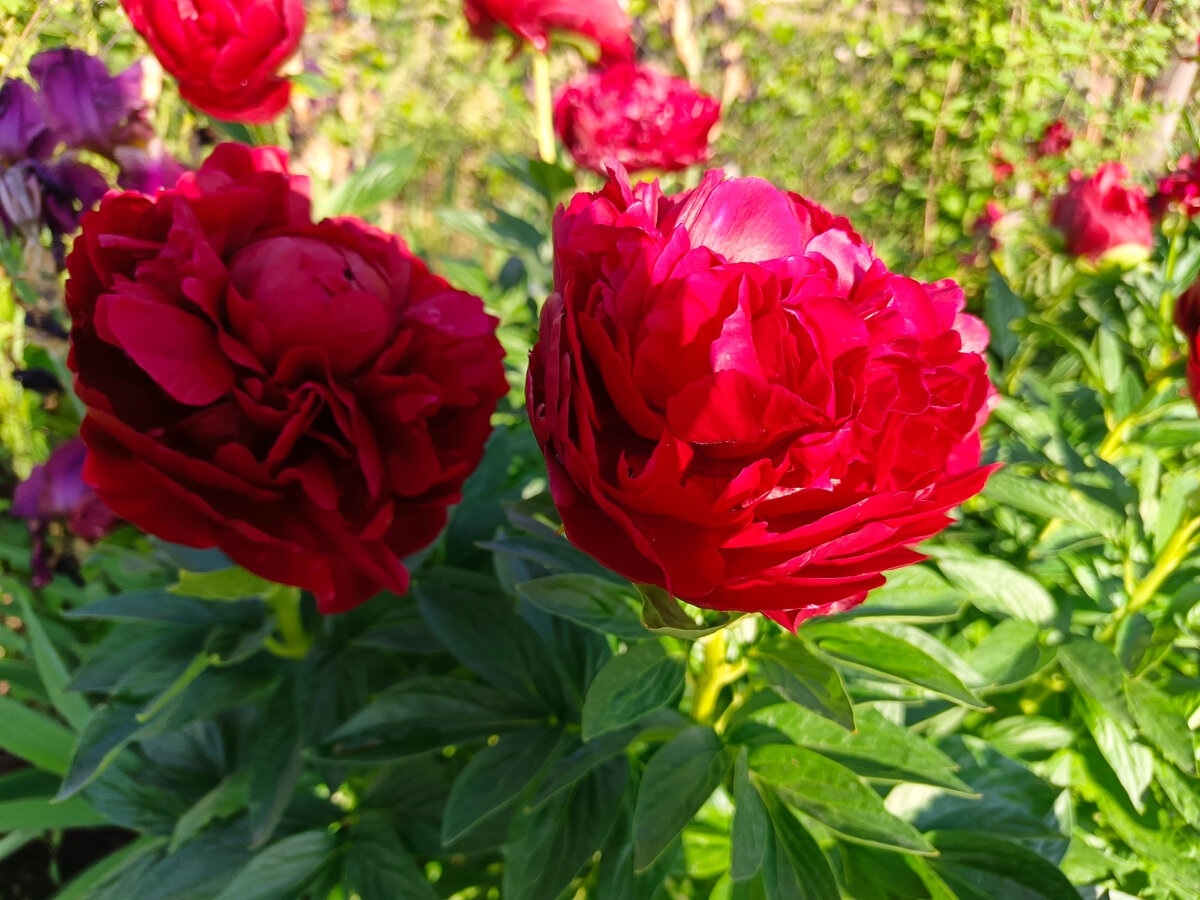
{"x": 611, "y": 517}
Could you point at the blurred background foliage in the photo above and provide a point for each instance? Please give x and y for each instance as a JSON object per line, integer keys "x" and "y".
{"x": 890, "y": 113}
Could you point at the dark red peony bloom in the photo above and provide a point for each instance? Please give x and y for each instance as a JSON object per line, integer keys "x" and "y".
{"x": 1180, "y": 188}
{"x": 225, "y": 54}
{"x": 739, "y": 403}
{"x": 637, "y": 116}
{"x": 1100, "y": 213}
{"x": 602, "y": 21}
{"x": 307, "y": 397}
{"x": 55, "y": 492}
{"x": 1055, "y": 141}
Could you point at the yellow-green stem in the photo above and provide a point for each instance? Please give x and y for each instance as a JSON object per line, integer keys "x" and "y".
{"x": 285, "y": 603}
{"x": 543, "y": 110}
{"x": 715, "y": 674}
{"x": 1112, "y": 443}
{"x": 1173, "y": 554}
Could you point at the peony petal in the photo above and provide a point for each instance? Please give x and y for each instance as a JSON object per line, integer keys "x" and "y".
{"x": 178, "y": 350}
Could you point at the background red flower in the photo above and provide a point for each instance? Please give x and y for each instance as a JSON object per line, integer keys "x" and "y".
{"x": 225, "y": 54}
{"x": 637, "y": 116}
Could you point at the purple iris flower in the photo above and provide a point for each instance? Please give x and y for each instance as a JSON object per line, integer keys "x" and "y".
{"x": 55, "y": 492}
{"x": 85, "y": 106}
{"x": 23, "y": 130}
{"x": 147, "y": 169}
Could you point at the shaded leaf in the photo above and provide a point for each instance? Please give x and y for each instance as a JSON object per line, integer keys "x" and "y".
{"x": 679, "y": 778}
{"x": 834, "y": 796}
{"x": 547, "y": 846}
{"x": 495, "y": 777}
{"x": 587, "y": 600}
{"x": 283, "y": 869}
{"x": 631, "y": 685}
{"x": 803, "y": 678}
{"x": 875, "y": 651}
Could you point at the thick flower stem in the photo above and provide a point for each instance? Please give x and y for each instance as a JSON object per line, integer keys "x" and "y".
{"x": 714, "y": 676}
{"x": 284, "y": 601}
{"x": 1173, "y": 554}
{"x": 543, "y": 109}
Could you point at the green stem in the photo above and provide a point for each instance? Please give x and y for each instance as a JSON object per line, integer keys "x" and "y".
{"x": 714, "y": 676}
{"x": 543, "y": 109}
{"x": 284, "y": 601}
{"x": 1166, "y": 304}
{"x": 1173, "y": 554}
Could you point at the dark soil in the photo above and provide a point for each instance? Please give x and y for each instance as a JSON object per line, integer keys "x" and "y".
{"x": 26, "y": 875}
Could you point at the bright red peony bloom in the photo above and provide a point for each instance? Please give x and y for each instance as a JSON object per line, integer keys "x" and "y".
{"x": 601, "y": 21}
{"x": 307, "y": 397}
{"x": 635, "y": 115}
{"x": 1056, "y": 140}
{"x": 1099, "y": 213}
{"x": 1180, "y": 188}
{"x": 738, "y": 402}
{"x": 225, "y": 54}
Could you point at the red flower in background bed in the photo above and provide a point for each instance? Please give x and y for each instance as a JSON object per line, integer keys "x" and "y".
{"x": 307, "y": 397}
{"x": 1180, "y": 188}
{"x": 225, "y": 54}
{"x": 602, "y": 21}
{"x": 1100, "y": 213}
{"x": 1055, "y": 141}
{"x": 738, "y": 402}
{"x": 637, "y": 116}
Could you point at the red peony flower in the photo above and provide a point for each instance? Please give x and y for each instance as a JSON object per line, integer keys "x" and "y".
{"x": 635, "y": 115}
{"x": 1056, "y": 140}
{"x": 739, "y": 403}
{"x": 1100, "y": 213}
{"x": 601, "y": 21}
{"x": 307, "y": 397}
{"x": 1180, "y": 188}
{"x": 225, "y": 54}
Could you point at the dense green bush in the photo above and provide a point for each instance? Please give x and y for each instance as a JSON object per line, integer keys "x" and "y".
{"x": 1014, "y": 718}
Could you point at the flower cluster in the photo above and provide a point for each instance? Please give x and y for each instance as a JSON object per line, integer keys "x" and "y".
{"x": 738, "y": 402}
{"x": 76, "y": 105}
